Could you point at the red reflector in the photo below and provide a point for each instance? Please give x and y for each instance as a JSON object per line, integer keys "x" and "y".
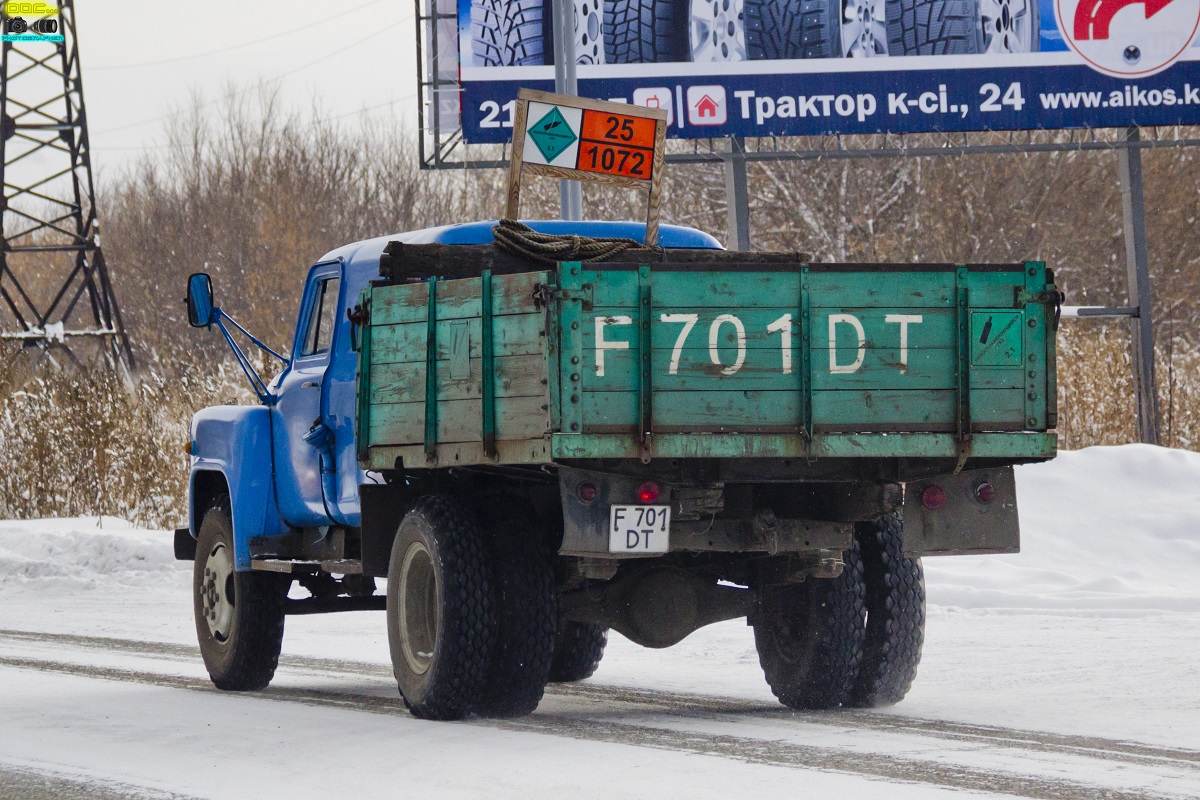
{"x": 648, "y": 492}
{"x": 934, "y": 497}
{"x": 587, "y": 492}
{"x": 985, "y": 492}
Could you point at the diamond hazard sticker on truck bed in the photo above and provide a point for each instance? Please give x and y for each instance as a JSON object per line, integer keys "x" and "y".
{"x": 996, "y": 338}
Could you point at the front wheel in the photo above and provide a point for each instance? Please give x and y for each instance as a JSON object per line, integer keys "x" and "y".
{"x": 440, "y": 617}
{"x": 239, "y": 615}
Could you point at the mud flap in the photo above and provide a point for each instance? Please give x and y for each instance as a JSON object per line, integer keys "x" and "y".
{"x": 971, "y": 521}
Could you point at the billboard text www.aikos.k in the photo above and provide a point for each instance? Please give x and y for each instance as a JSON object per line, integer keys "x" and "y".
{"x": 804, "y": 67}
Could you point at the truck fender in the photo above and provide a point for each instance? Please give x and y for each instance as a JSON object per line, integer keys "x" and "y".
{"x": 232, "y": 453}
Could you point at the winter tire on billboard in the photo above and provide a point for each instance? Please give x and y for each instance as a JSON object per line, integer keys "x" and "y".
{"x": 440, "y": 609}
{"x": 810, "y": 637}
{"x": 932, "y": 27}
{"x": 895, "y": 614}
{"x": 239, "y": 615}
{"x": 645, "y": 31}
{"x": 578, "y": 648}
{"x": 1009, "y": 26}
{"x": 778, "y": 29}
{"x": 526, "y": 609}
{"x": 510, "y": 33}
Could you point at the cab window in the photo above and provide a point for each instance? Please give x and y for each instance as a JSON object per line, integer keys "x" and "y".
{"x": 321, "y": 318}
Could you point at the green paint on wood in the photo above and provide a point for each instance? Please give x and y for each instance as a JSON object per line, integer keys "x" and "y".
{"x": 913, "y": 354}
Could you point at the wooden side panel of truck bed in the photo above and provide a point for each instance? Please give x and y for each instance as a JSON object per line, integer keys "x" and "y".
{"x": 619, "y": 356}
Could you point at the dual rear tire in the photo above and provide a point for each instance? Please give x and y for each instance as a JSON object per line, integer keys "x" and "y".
{"x": 850, "y": 641}
{"x": 470, "y": 611}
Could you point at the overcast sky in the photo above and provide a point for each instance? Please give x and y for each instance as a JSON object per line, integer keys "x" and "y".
{"x": 143, "y": 60}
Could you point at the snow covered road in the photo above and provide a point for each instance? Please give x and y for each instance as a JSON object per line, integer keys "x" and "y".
{"x": 1070, "y": 671}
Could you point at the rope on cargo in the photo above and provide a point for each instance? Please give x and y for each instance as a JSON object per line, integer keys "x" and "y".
{"x": 547, "y": 248}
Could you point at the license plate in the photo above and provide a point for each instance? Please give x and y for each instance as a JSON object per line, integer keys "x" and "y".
{"x": 639, "y": 529}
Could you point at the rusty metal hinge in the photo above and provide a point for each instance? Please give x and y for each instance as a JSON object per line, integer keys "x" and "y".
{"x": 544, "y": 293}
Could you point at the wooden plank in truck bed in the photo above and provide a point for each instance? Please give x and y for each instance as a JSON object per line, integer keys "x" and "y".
{"x": 761, "y": 357}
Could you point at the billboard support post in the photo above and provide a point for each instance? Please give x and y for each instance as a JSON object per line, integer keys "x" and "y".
{"x": 737, "y": 196}
{"x": 1137, "y": 266}
{"x": 570, "y": 193}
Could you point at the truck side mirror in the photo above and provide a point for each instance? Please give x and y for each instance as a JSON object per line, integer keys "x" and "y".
{"x": 200, "y": 300}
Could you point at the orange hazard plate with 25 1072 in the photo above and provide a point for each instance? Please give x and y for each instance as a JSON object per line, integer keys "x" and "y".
{"x": 615, "y": 144}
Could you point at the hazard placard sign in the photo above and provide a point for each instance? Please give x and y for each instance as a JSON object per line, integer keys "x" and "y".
{"x": 589, "y": 140}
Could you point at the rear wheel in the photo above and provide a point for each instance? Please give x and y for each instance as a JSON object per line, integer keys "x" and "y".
{"x": 932, "y": 27}
{"x": 810, "y": 637}
{"x": 895, "y": 630}
{"x": 441, "y": 626}
{"x": 239, "y": 615}
{"x": 578, "y": 648}
{"x": 523, "y": 578}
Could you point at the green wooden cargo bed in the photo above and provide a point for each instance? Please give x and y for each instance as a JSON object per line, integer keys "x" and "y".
{"x": 723, "y": 356}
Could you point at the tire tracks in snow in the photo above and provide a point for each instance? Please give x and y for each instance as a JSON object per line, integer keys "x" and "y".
{"x": 674, "y": 710}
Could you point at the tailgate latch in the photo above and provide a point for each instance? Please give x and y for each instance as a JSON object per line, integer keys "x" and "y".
{"x": 544, "y": 293}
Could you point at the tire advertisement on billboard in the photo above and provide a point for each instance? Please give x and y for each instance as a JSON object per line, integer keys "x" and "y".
{"x": 809, "y": 67}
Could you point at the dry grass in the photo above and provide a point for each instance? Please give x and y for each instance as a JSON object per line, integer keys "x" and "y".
{"x": 254, "y": 195}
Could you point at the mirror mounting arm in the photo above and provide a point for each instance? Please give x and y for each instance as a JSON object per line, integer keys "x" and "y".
{"x": 219, "y": 318}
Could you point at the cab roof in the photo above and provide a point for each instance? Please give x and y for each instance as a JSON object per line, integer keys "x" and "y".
{"x": 669, "y": 236}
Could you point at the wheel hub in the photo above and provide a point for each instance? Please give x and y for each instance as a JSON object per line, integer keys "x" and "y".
{"x": 716, "y": 30}
{"x": 589, "y": 22}
{"x": 1007, "y": 26}
{"x": 418, "y": 608}
{"x": 864, "y": 29}
{"x": 217, "y": 592}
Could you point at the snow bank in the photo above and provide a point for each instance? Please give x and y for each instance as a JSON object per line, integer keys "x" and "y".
{"x": 1106, "y": 531}
{"x": 84, "y": 553}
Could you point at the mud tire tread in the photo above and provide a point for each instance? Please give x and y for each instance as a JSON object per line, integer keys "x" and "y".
{"x": 467, "y": 629}
{"x": 810, "y": 637}
{"x": 248, "y": 660}
{"x": 526, "y": 611}
{"x": 895, "y": 630}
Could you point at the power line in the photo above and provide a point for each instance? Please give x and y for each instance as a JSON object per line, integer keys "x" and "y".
{"x": 218, "y": 51}
{"x": 357, "y": 112}
{"x": 238, "y": 93}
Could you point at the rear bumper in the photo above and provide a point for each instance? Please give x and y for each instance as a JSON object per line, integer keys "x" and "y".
{"x": 1018, "y": 447}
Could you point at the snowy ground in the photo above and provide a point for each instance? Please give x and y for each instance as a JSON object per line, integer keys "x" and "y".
{"x": 1070, "y": 670}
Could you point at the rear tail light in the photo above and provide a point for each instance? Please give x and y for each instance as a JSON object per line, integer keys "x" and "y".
{"x": 934, "y": 497}
{"x": 587, "y": 492}
{"x": 648, "y": 492}
{"x": 985, "y": 492}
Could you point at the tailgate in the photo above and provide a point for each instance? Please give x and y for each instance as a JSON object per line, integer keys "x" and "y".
{"x": 807, "y": 350}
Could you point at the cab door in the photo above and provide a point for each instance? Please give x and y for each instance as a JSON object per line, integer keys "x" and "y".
{"x": 297, "y": 463}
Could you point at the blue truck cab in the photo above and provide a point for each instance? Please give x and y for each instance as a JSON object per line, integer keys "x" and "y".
{"x": 278, "y": 481}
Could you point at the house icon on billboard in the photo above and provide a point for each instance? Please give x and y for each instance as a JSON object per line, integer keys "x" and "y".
{"x": 706, "y": 105}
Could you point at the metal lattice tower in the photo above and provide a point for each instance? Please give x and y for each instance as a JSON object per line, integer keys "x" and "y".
{"x": 55, "y": 291}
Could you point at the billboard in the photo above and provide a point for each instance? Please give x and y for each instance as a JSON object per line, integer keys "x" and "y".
{"x": 808, "y": 67}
